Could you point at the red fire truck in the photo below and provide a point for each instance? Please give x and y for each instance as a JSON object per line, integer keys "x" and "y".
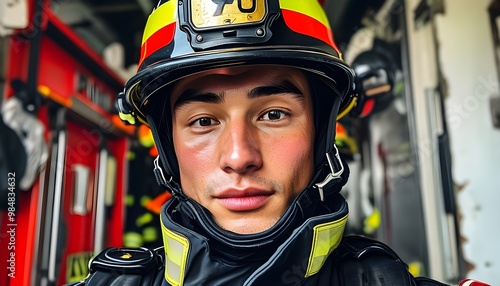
{"x": 73, "y": 206}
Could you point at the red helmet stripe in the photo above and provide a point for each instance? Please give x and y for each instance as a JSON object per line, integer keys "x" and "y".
{"x": 158, "y": 40}
{"x": 162, "y": 16}
{"x": 308, "y": 17}
{"x": 309, "y": 26}
{"x": 160, "y": 29}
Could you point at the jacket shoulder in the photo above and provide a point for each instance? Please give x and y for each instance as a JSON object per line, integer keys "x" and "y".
{"x": 126, "y": 267}
{"x": 364, "y": 261}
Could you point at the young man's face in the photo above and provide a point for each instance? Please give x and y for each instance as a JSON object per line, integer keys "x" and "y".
{"x": 244, "y": 142}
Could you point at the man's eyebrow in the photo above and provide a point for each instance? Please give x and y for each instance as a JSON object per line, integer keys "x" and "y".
{"x": 193, "y": 95}
{"x": 281, "y": 87}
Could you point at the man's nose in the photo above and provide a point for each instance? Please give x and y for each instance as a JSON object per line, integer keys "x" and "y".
{"x": 240, "y": 147}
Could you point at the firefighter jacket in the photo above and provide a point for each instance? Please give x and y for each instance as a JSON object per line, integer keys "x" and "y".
{"x": 306, "y": 247}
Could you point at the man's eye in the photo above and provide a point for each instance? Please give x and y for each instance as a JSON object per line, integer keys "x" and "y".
{"x": 273, "y": 115}
{"x": 203, "y": 122}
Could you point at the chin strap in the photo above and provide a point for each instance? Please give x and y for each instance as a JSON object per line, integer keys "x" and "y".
{"x": 170, "y": 184}
{"x": 336, "y": 168}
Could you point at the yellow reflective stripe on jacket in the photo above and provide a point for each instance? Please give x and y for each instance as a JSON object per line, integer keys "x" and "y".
{"x": 176, "y": 254}
{"x": 326, "y": 238}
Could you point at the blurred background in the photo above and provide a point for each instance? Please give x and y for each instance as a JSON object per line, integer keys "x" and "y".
{"x": 422, "y": 141}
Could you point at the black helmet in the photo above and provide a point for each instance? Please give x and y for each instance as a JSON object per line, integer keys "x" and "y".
{"x": 378, "y": 84}
{"x": 183, "y": 37}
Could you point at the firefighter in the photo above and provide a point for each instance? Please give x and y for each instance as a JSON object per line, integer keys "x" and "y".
{"x": 242, "y": 98}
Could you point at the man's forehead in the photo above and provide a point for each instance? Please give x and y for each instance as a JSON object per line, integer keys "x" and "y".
{"x": 267, "y": 72}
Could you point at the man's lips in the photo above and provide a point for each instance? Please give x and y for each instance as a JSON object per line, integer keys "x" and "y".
{"x": 243, "y": 200}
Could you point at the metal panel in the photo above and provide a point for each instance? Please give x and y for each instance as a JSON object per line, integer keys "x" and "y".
{"x": 425, "y": 82}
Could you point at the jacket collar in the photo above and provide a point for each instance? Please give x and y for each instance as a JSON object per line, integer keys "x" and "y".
{"x": 201, "y": 255}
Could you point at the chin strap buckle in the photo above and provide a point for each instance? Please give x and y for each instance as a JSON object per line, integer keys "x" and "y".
{"x": 170, "y": 185}
{"x": 159, "y": 173}
{"x": 336, "y": 167}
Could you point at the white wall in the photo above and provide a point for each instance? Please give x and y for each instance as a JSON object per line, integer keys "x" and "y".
{"x": 468, "y": 64}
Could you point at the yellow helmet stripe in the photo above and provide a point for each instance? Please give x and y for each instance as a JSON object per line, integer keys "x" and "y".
{"x": 162, "y": 16}
{"x": 312, "y": 9}
{"x": 159, "y": 30}
{"x": 308, "y": 18}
